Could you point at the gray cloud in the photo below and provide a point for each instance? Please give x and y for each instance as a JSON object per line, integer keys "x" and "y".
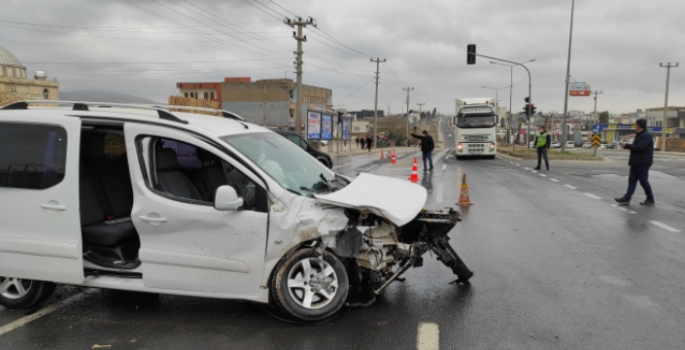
{"x": 424, "y": 42}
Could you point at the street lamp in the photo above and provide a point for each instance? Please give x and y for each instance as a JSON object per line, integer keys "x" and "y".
{"x": 511, "y": 88}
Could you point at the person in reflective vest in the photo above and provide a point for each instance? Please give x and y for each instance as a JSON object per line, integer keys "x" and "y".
{"x": 542, "y": 143}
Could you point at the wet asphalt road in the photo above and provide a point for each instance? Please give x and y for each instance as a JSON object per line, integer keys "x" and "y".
{"x": 557, "y": 267}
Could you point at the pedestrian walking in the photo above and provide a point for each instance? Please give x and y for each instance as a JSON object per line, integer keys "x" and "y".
{"x": 641, "y": 159}
{"x": 356, "y": 140}
{"x": 542, "y": 143}
{"x": 363, "y": 142}
{"x": 427, "y": 146}
{"x": 408, "y": 143}
{"x": 369, "y": 142}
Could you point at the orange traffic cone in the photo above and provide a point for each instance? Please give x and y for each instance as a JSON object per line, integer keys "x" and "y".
{"x": 393, "y": 160}
{"x": 382, "y": 156}
{"x": 414, "y": 173}
{"x": 464, "y": 194}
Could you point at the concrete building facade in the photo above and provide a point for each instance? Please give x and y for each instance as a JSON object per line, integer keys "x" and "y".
{"x": 675, "y": 121}
{"x": 15, "y": 83}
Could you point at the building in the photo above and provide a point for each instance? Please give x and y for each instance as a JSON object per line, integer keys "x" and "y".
{"x": 272, "y": 101}
{"x": 16, "y": 85}
{"x": 675, "y": 121}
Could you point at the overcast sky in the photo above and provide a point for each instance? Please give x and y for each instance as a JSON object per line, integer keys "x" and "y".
{"x": 143, "y": 47}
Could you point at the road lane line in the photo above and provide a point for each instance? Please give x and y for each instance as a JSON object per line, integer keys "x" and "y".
{"x": 534, "y": 172}
{"x": 517, "y": 164}
{"x": 428, "y": 337}
{"x": 543, "y": 175}
{"x": 592, "y": 195}
{"x": 527, "y": 168}
{"x": 571, "y": 187}
{"x": 623, "y": 209}
{"x": 438, "y": 197}
{"x": 664, "y": 226}
{"x": 444, "y": 166}
{"x": 553, "y": 180}
{"x": 44, "y": 311}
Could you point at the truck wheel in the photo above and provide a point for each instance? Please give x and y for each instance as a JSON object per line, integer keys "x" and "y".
{"x": 310, "y": 287}
{"x": 17, "y": 293}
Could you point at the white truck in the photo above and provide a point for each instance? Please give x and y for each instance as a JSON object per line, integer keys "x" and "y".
{"x": 475, "y": 127}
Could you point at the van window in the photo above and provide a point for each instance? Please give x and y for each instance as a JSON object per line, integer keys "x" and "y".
{"x": 32, "y": 156}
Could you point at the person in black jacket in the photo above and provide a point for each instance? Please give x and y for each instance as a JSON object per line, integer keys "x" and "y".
{"x": 641, "y": 158}
{"x": 542, "y": 143}
{"x": 369, "y": 142}
{"x": 427, "y": 146}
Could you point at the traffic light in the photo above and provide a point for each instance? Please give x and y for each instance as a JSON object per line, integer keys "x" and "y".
{"x": 532, "y": 109}
{"x": 526, "y": 109}
{"x": 471, "y": 54}
{"x": 527, "y": 99}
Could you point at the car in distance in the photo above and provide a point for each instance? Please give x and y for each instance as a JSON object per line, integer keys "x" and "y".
{"x": 322, "y": 157}
{"x": 570, "y": 144}
{"x": 556, "y": 144}
{"x": 587, "y": 145}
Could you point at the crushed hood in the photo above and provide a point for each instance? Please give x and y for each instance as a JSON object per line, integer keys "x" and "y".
{"x": 396, "y": 200}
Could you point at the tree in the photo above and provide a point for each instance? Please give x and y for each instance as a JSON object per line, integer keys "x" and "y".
{"x": 604, "y": 117}
{"x": 434, "y": 111}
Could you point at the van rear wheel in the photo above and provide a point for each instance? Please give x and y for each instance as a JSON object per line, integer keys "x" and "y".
{"x": 18, "y": 293}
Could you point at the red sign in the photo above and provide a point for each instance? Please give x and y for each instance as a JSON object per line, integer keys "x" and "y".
{"x": 579, "y": 93}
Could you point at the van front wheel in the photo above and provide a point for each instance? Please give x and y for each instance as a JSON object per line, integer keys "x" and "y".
{"x": 18, "y": 293}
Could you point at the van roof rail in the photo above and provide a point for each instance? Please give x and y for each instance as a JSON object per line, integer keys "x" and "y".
{"x": 83, "y": 106}
{"x": 162, "y": 110}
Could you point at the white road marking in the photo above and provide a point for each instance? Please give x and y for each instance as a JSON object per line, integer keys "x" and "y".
{"x": 543, "y": 175}
{"x": 623, "y": 209}
{"x": 664, "y": 226}
{"x": 438, "y": 197}
{"x": 444, "y": 166}
{"x": 44, "y": 311}
{"x": 517, "y": 164}
{"x": 428, "y": 337}
{"x": 527, "y": 168}
{"x": 592, "y": 195}
{"x": 571, "y": 187}
{"x": 534, "y": 172}
{"x": 553, "y": 180}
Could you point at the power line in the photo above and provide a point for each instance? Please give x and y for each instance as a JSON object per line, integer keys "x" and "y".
{"x": 260, "y": 9}
{"x": 343, "y": 45}
{"x": 286, "y": 10}
{"x": 128, "y": 29}
{"x": 634, "y": 76}
{"x": 158, "y": 62}
{"x": 355, "y": 91}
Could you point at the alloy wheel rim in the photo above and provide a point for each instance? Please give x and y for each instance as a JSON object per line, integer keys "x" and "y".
{"x": 312, "y": 283}
{"x": 14, "y": 288}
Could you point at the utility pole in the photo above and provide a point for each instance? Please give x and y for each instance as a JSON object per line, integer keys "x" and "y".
{"x": 420, "y": 108}
{"x": 389, "y": 114}
{"x": 568, "y": 78}
{"x": 375, "y": 106}
{"x": 264, "y": 104}
{"x": 596, "y": 117}
{"x": 663, "y": 123}
{"x": 298, "y": 65}
{"x": 408, "y": 89}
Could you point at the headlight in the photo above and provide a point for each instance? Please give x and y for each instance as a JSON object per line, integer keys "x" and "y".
{"x": 459, "y": 146}
{"x": 492, "y": 145}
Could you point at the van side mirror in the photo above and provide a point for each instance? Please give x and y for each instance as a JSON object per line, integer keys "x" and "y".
{"x": 226, "y": 199}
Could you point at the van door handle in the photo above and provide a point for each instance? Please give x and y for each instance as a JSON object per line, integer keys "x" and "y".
{"x": 49, "y": 206}
{"x": 153, "y": 220}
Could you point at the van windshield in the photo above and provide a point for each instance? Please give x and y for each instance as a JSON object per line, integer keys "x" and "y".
{"x": 286, "y": 163}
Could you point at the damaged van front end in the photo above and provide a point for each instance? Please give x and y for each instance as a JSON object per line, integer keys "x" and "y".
{"x": 347, "y": 245}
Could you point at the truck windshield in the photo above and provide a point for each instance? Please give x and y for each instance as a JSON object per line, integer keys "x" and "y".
{"x": 475, "y": 120}
{"x": 288, "y": 164}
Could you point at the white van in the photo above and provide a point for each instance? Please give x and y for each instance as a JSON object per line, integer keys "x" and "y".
{"x": 139, "y": 198}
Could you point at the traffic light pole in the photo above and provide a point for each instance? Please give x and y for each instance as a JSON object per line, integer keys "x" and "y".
{"x": 530, "y": 86}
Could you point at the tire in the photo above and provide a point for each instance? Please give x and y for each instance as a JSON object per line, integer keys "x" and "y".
{"x": 290, "y": 287}
{"x": 16, "y": 293}
{"x": 325, "y": 162}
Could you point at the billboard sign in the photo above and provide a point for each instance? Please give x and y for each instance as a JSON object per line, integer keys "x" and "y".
{"x": 313, "y": 125}
{"x": 578, "y": 89}
{"x": 346, "y": 124}
{"x": 326, "y": 126}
